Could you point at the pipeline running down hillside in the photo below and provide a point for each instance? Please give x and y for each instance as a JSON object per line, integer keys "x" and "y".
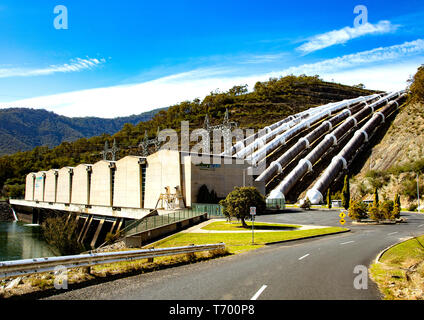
{"x": 305, "y": 142}
{"x": 341, "y": 161}
{"x": 316, "y": 117}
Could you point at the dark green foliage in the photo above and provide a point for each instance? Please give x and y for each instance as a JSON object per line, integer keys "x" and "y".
{"x": 346, "y": 193}
{"x": 376, "y": 201}
{"x": 238, "y": 202}
{"x": 203, "y": 195}
{"x": 61, "y": 234}
{"x": 329, "y": 199}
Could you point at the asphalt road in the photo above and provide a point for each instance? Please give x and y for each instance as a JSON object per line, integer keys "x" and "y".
{"x": 318, "y": 268}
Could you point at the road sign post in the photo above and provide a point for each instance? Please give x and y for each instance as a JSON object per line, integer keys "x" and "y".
{"x": 252, "y": 214}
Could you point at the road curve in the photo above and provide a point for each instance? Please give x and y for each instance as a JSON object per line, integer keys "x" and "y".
{"x": 318, "y": 268}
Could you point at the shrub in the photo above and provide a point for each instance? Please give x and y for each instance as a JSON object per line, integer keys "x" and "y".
{"x": 386, "y": 209}
{"x": 412, "y": 207}
{"x": 357, "y": 210}
{"x": 374, "y": 212}
{"x": 306, "y": 204}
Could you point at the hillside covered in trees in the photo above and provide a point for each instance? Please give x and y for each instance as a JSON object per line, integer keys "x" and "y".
{"x": 23, "y": 129}
{"x": 267, "y": 103}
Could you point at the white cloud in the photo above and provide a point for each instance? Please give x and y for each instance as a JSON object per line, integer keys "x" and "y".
{"x": 75, "y": 65}
{"x": 341, "y": 36}
{"x": 385, "y": 68}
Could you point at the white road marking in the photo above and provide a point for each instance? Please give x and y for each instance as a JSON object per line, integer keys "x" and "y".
{"x": 257, "y": 294}
{"x": 304, "y": 256}
{"x": 392, "y": 233}
{"x": 347, "y": 242}
{"x": 420, "y": 225}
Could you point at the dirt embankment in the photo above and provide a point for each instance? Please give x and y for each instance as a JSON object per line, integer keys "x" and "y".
{"x": 5, "y": 212}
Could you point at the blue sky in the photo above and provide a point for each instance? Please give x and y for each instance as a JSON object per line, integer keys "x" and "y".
{"x": 124, "y": 57}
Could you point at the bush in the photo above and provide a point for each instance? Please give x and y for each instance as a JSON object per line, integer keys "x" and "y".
{"x": 386, "y": 209}
{"x": 306, "y": 204}
{"x": 417, "y": 85}
{"x": 412, "y": 207}
{"x": 357, "y": 210}
{"x": 374, "y": 212}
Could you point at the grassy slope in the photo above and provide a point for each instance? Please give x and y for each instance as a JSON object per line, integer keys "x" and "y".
{"x": 391, "y": 275}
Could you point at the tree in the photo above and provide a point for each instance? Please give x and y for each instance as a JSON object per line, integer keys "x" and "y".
{"x": 329, "y": 199}
{"x": 203, "y": 195}
{"x": 357, "y": 210}
{"x": 346, "y": 193}
{"x": 375, "y": 203}
{"x": 238, "y": 202}
{"x": 396, "y": 207}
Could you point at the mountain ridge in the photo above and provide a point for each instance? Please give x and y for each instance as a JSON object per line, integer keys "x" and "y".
{"x": 22, "y": 129}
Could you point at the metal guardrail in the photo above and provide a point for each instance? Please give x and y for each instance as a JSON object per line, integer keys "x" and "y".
{"x": 9, "y": 269}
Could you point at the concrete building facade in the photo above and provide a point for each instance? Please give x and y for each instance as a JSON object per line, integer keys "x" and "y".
{"x": 39, "y": 186}
{"x": 64, "y": 185}
{"x": 81, "y": 184}
{"x": 167, "y": 179}
{"x": 50, "y": 190}
{"x": 29, "y": 186}
{"x": 102, "y": 183}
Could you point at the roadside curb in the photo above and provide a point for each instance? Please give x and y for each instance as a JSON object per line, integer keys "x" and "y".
{"x": 309, "y": 237}
{"x": 377, "y": 259}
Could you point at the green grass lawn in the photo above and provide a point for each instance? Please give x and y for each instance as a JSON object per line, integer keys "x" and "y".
{"x": 239, "y": 242}
{"x": 236, "y": 226}
{"x": 390, "y": 274}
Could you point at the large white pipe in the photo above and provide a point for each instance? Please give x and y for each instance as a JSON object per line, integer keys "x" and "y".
{"x": 316, "y": 116}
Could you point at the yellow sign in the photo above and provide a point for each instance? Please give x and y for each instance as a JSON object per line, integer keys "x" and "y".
{"x": 342, "y": 221}
{"x": 342, "y": 215}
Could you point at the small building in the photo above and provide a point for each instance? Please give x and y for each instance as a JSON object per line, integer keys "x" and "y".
{"x": 50, "y": 190}
{"x": 81, "y": 184}
{"x": 64, "y": 185}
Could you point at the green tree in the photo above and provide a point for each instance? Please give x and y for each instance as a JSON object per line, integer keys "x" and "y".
{"x": 203, "y": 196}
{"x": 328, "y": 199}
{"x": 346, "y": 193}
{"x": 238, "y": 202}
{"x": 375, "y": 203}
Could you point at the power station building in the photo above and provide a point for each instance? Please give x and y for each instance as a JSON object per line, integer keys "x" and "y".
{"x": 167, "y": 179}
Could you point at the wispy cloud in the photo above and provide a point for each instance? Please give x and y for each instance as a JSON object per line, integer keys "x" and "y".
{"x": 342, "y": 36}
{"x": 74, "y": 65}
{"x": 374, "y": 68}
{"x": 362, "y": 58}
